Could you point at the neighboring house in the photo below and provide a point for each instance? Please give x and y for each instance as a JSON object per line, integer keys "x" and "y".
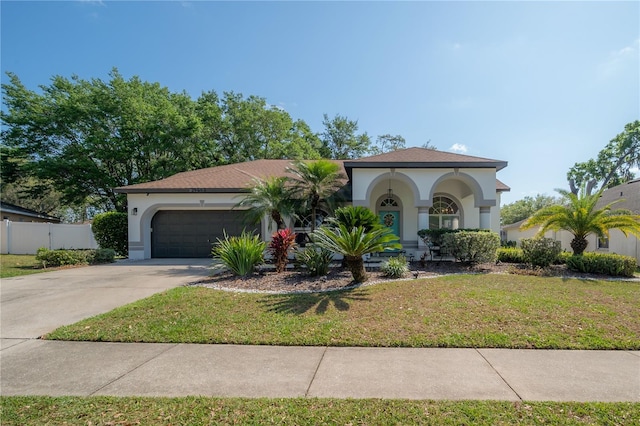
{"x": 410, "y": 189}
{"x": 20, "y": 214}
{"x": 628, "y": 192}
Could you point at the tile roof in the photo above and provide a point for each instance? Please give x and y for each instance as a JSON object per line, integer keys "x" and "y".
{"x": 238, "y": 177}
{"x": 228, "y": 178}
{"x": 424, "y": 157}
{"x": 628, "y": 192}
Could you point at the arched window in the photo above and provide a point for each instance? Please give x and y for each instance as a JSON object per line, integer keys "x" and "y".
{"x": 444, "y": 213}
{"x": 389, "y": 202}
{"x": 305, "y": 221}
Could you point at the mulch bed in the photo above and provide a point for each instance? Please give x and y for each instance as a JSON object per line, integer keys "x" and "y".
{"x": 339, "y": 278}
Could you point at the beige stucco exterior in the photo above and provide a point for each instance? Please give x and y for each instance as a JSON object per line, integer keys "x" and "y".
{"x": 618, "y": 243}
{"x": 416, "y": 177}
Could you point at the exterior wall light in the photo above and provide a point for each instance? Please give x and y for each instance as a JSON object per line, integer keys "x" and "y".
{"x": 134, "y": 212}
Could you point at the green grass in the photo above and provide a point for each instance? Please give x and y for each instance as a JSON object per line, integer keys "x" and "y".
{"x": 495, "y": 311}
{"x": 14, "y": 265}
{"x": 297, "y": 411}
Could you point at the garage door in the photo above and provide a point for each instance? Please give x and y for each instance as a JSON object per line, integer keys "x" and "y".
{"x": 191, "y": 233}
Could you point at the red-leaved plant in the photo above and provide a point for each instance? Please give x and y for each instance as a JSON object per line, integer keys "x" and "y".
{"x": 282, "y": 241}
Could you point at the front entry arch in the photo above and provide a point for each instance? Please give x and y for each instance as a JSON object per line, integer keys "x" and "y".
{"x": 389, "y": 210}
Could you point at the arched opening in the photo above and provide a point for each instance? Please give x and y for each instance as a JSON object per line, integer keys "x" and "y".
{"x": 444, "y": 213}
{"x": 389, "y": 210}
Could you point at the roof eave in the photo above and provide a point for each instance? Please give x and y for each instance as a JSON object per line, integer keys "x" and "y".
{"x": 498, "y": 165}
{"x": 125, "y": 190}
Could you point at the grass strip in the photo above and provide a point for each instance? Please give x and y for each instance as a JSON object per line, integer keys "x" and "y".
{"x": 15, "y": 265}
{"x": 489, "y": 311}
{"x": 39, "y": 411}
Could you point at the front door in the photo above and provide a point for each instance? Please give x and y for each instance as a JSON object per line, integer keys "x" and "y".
{"x": 391, "y": 219}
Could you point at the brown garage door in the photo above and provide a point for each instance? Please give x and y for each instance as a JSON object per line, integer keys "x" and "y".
{"x": 189, "y": 233}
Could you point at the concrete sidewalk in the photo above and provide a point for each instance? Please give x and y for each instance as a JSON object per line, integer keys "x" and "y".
{"x": 38, "y": 367}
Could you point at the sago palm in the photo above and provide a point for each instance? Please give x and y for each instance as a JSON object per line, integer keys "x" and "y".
{"x": 315, "y": 183}
{"x": 270, "y": 197}
{"x": 353, "y": 243}
{"x": 580, "y": 217}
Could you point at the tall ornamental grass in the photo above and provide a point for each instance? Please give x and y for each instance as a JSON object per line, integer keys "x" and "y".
{"x": 240, "y": 254}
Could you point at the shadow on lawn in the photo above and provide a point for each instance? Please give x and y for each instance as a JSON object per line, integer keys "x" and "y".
{"x": 298, "y": 304}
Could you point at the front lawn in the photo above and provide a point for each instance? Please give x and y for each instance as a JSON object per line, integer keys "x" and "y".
{"x": 497, "y": 311}
{"x": 34, "y": 410}
{"x": 14, "y": 265}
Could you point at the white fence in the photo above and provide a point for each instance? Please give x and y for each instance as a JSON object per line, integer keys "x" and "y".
{"x": 28, "y": 237}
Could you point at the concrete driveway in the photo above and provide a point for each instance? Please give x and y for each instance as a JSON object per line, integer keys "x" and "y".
{"x": 34, "y": 305}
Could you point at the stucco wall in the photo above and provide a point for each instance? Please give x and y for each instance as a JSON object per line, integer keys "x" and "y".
{"x": 618, "y": 243}
{"x": 148, "y": 205}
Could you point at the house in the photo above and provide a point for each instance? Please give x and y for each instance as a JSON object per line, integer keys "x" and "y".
{"x": 410, "y": 189}
{"x": 15, "y": 213}
{"x": 628, "y": 193}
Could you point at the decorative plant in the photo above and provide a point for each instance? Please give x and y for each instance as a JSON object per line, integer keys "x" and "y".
{"x": 540, "y": 251}
{"x": 314, "y": 260}
{"x": 240, "y": 254}
{"x": 395, "y": 267}
{"x": 282, "y": 241}
{"x": 580, "y": 217}
{"x": 351, "y": 216}
{"x": 354, "y": 243}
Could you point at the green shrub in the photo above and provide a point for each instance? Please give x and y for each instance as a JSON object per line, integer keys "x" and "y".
{"x": 282, "y": 241}
{"x": 562, "y": 257}
{"x": 354, "y": 216}
{"x": 606, "y": 264}
{"x": 510, "y": 255}
{"x": 55, "y": 258}
{"x": 472, "y": 246}
{"x": 314, "y": 260}
{"x": 110, "y": 230}
{"x": 240, "y": 254}
{"x": 395, "y": 267}
{"x": 103, "y": 256}
{"x": 540, "y": 251}
{"x": 435, "y": 236}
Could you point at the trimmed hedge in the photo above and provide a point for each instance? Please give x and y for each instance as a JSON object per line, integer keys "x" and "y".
{"x": 435, "y": 236}
{"x": 472, "y": 246}
{"x": 606, "y": 264}
{"x": 54, "y": 258}
{"x": 111, "y": 231}
{"x": 540, "y": 251}
{"x": 510, "y": 255}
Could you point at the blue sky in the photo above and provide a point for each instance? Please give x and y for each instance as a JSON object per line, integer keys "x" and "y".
{"x": 542, "y": 85}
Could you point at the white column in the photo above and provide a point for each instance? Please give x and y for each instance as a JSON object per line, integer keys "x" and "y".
{"x": 485, "y": 217}
{"x": 423, "y": 223}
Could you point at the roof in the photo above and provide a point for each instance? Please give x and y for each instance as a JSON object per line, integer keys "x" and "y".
{"x": 234, "y": 178}
{"x": 13, "y": 209}
{"x": 424, "y": 158}
{"x": 228, "y": 178}
{"x": 628, "y": 192}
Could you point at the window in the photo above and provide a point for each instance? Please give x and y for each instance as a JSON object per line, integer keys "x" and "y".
{"x": 305, "y": 221}
{"x": 444, "y": 213}
{"x": 389, "y": 202}
{"x": 603, "y": 243}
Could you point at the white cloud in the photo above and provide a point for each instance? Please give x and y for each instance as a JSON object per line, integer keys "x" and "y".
{"x": 96, "y": 2}
{"x": 618, "y": 59}
{"x": 459, "y": 148}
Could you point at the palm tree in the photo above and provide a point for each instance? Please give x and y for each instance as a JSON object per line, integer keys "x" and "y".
{"x": 271, "y": 197}
{"x": 353, "y": 243}
{"x": 580, "y": 217}
{"x": 315, "y": 183}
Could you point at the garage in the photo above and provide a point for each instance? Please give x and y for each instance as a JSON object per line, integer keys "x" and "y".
{"x": 191, "y": 233}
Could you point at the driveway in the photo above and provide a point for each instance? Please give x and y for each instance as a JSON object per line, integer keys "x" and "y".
{"x": 34, "y": 305}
